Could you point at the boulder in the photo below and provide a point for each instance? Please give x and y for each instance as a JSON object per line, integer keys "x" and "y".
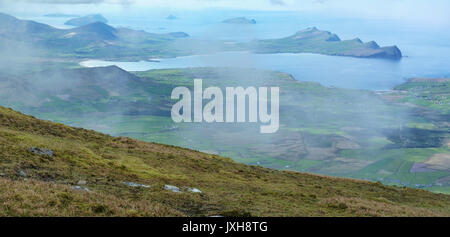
{"x": 41, "y": 151}
{"x": 133, "y": 184}
{"x": 172, "y": 188}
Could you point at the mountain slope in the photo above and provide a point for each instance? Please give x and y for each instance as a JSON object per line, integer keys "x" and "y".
{"x": 15, "y": 29}
{"x": 84, "y": 20}
{"x": 91, "y": 40}
{"x": 87, "y": 173}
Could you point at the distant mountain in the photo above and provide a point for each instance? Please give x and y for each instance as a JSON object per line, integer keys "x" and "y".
{"x": 239, "y": 20}
{"x": 97, "y": 31}
{"x": 313, "y": 40}
{"x": 80, "y": 21}
{"x": 94, "y": 40}
{"x": 99, "y": 40}
{"x": 57, "y": 15}
{"x": 14, "y": 28}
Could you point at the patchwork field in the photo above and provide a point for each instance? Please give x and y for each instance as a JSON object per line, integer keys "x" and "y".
{"x": 393, "y": 137}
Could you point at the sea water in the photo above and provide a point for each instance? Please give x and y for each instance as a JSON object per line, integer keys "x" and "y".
{"x": 426, "y": 47}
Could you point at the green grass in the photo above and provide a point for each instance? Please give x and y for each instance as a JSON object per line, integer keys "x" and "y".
{"x": 228, "y": 188}
{"x": 313, "y": 118}
{"x": 429, "y": 93}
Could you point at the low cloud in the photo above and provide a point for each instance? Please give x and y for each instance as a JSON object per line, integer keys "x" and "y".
{"x": 414, "y": 11}
{"x": 61, "y": 1}
{"x": 71, "y": 1}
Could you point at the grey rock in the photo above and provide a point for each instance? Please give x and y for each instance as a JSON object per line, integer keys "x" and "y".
{"x": 82, "y": 182}
{"x": 132, "y": 184}
{"x": 79, "y": 188}
{"x": 172, "y": 188}
{"x": 193, "y": 190}
{"x": 41, "y": 151}
{"x": 22, "y": 173}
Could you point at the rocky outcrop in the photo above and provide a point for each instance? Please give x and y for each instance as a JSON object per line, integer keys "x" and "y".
{"x": 390, "y": 52}
{"x": 41, "y": 151}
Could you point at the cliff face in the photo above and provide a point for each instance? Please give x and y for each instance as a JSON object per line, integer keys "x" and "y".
{"x": 390, "y": 52}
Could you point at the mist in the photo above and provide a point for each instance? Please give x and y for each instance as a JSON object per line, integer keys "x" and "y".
{"x": 432, "y": 13}
{"x": 320, "y": 123}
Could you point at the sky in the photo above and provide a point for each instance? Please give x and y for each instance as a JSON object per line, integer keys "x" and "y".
{"x": 420, "y": 11}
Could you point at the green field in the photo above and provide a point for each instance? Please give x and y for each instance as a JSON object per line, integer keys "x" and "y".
{"x": 351, "y": 133}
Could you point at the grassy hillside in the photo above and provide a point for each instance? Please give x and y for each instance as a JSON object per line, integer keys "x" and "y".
{"x": 433, "y": 94}
{"x": 87, "y": 175}
{"x": 351, "y": 133}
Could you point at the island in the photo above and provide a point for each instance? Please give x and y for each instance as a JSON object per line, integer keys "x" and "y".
{"x": 313, "y": 40}
{"x": 171, "y": 17}
{"x": 239, "y": 20}
{"x": 81, "y": 21}
{"x": 99, "y": 40}
{"x": 179, "y": 34}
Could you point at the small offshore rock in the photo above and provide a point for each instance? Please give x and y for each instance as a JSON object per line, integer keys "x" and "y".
{"x": 41, "y": 151}
{"x": 172, "y": 188}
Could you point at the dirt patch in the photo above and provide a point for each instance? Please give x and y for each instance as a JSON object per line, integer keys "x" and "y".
{"x": 439, "y": 161}
{"x": 344, "y": 144}
{"x": 419, "y": 167}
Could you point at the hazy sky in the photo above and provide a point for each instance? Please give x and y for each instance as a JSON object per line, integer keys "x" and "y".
{"x": 421, "y": 11}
